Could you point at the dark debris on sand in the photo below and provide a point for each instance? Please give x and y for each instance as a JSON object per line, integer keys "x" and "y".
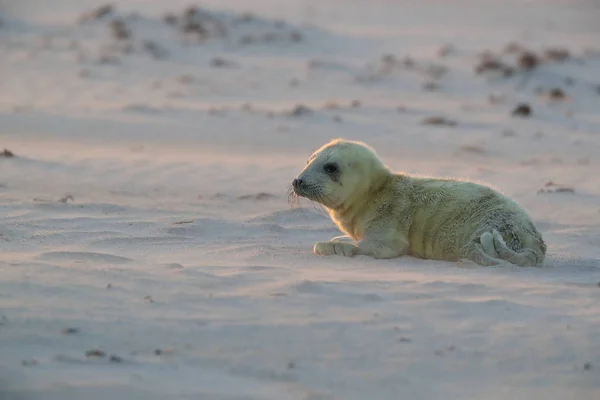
{"x": 120, "y": 30}
{"x": 528, "y": 60}
{"x": 495, "y": 65}
{"x": 551, "y": 187}
{"x": 438, "y": 120}
{"x": 95, "y": 353}
{"x": 97, "y": 13}
{"x": 192, "y": 25}
{"x": 6, "y": 153}
{"x": 522, "y": 110}
{"x": 300, "y": 110}
{"x": 524, "y": 60}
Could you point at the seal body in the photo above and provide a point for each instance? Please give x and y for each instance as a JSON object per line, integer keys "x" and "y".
{"x": 386, "y": 214}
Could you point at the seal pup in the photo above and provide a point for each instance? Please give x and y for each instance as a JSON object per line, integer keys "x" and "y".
{"x": 386, "y": 214}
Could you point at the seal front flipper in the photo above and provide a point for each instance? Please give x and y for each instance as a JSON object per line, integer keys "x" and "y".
{"x": 335, "y": 248}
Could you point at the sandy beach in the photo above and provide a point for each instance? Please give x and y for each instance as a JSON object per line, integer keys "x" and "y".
{"x": 147, "y": 246}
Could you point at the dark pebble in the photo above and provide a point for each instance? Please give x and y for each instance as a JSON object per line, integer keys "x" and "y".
{"x": 115, "y": 359}
{"x": 95, "y": 353}
{"x": 7, "y": 153}
{"x": 522, "y": 110}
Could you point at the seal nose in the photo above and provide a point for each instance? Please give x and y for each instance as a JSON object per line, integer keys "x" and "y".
{"x": 297, "y": 182}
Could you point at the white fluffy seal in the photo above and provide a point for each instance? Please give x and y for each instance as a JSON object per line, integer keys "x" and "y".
{"x": 391, "y": 214}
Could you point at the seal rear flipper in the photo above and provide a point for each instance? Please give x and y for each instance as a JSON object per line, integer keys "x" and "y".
{"x": 487, "y": 243}
{"x": 475, "y": 252}
{"x": 526, "y": 257}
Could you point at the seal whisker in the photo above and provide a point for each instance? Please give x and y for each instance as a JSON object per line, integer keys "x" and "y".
{"x": 319, "y": 201}
{"x": 293, "y": 198}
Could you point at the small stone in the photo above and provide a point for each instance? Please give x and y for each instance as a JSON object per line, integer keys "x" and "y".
{"x": 7, "y": 154}
{"x": 404, "y": 339}
{"x": 222, "y": 63}
{"x": 556, "y": 94}
{"x": 564, "y": 190}
{"x": 528, "y": 60}
{"x": 431, "y": 86}
{"x": 522, "y": 110}
{"x": 291, "y": 365}
{"x": 194, "y": 28}
{"x": 439, "y": 121}
{"x": 551, "y": 187}
{"x": 66, "y": 199}
{"x": 70, "y": 331}
{"x": 472, "y": 148}
{"x": 109, "y": 286}
{"x": 190, "y": 221}
{"x": 157, "y": 352}
{"x": 587, "y": 366}
{"x": 119, "y": 30}
{"x": 148, "y": 299}
{"x": 115, "y": 359}
{"x": 300, "y": 110}
{"x": 29, "y": 363}
{"x": 493, "y": 65}
{"x": 190, "y": 12}
{"x": 98, "y": 13}
{"x": 95, "y": 353}
{"x": 102, "y": 11}
{"x": 355, "y": 103}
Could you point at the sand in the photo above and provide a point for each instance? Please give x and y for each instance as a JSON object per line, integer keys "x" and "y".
{"x": 147, "y": 248}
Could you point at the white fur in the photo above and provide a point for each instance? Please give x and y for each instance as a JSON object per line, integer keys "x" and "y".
{"x": 392, "y": 214}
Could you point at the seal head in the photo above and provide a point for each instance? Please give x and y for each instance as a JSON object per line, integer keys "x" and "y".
{"x": 339, "y": 172}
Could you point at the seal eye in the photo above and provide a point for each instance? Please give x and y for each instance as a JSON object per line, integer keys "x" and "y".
{"x": 330, "y": 168}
